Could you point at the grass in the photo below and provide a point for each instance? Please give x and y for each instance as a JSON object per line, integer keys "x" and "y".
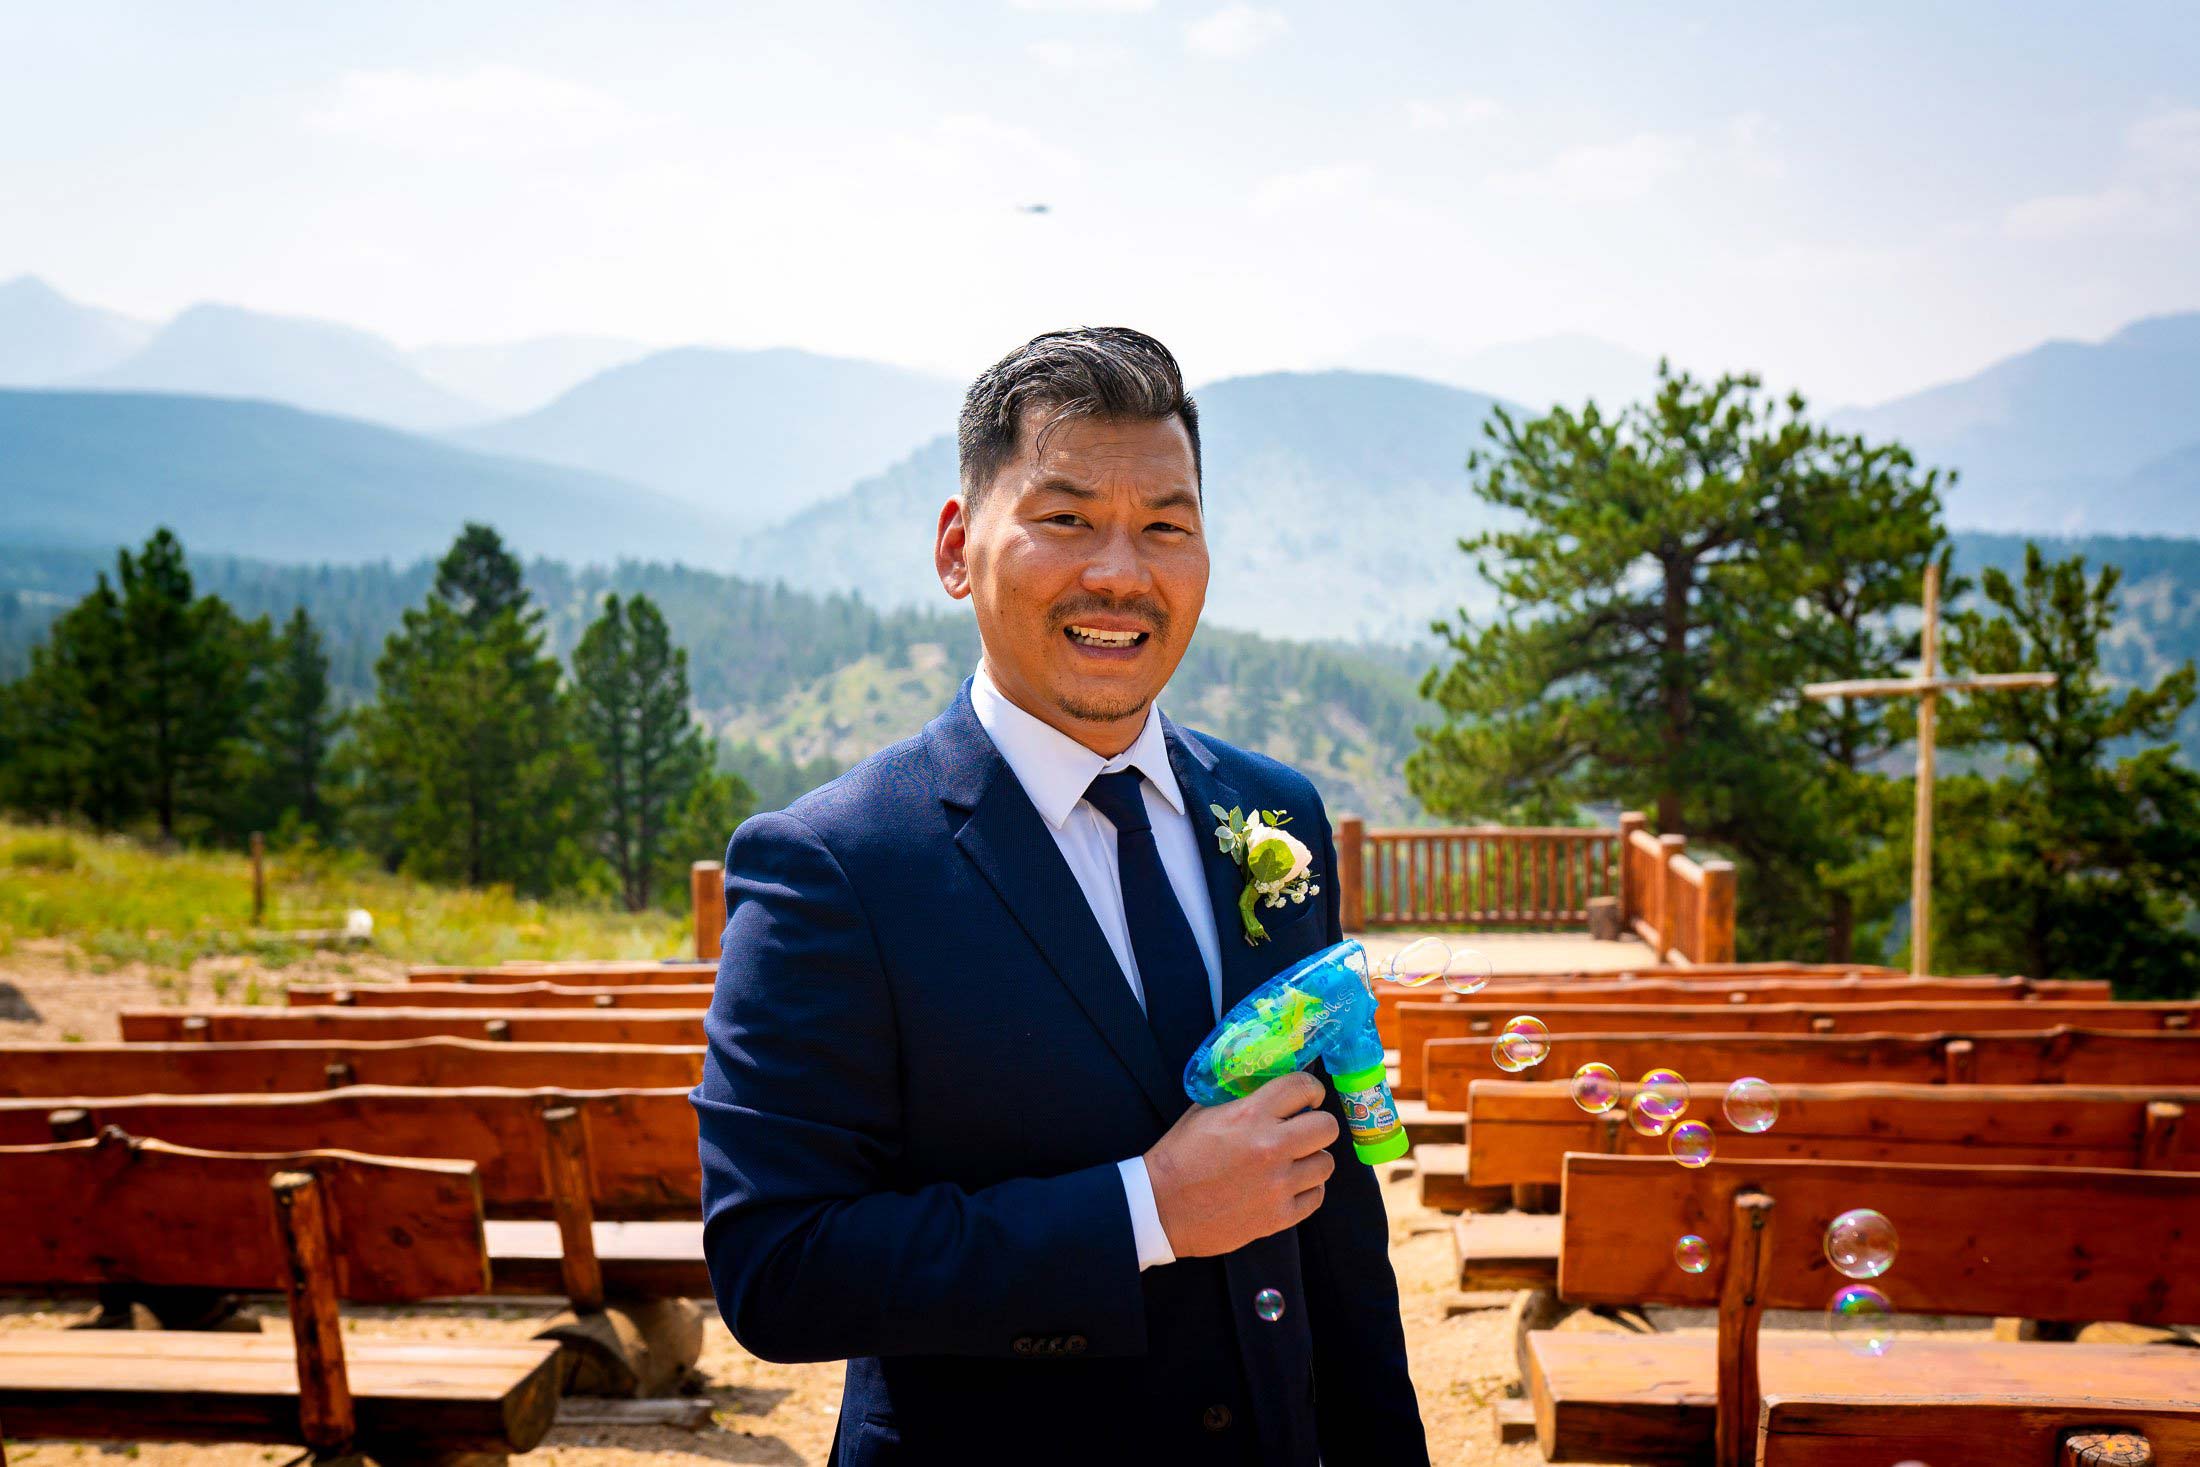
{"x": 117, "y": 900}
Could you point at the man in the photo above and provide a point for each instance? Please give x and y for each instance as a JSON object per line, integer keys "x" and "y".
{"x": 944, "y": 1130}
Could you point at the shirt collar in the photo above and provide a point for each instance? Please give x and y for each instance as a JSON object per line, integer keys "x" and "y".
{"x": 1054, "y": 769}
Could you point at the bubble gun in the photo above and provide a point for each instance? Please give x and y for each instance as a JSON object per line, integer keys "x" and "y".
{"x": 1320, "y": 1008}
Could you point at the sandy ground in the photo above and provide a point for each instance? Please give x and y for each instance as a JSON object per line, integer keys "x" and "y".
{"x": 1460, "y": 1349}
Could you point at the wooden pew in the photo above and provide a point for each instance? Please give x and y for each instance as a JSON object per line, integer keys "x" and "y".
{"x": 499, "y": 996}
{"x": 1671, "y": 988}
{"x": 519, "y": 1026}
{"x": 594, "y": 974}
{"x": 2058, "y": 1244}
{"x": 1839, "y": 1431}
{"x": 202, "y": 1068}
{"x": 1523, "y": 1132}
{"x": 316, "y": 1226}
{"x": 2055, "y": 1056}
{"x": 587, "y": 1160}
{"x": 1423, "y": 1024}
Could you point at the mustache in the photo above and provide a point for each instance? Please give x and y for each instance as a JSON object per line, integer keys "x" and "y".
{"x": 1137, "y": 608}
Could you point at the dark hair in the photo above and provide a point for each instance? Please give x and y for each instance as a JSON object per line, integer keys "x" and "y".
{"x": 1091, "y": 372}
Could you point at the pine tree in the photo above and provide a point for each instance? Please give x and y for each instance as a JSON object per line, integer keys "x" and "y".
{"x": 293, "y": 729}
{"x": 467, "y": 767}
{"x": 2081, "y": 856}
{"x": 631, "y": 693}
{"x": 67, "y": 742}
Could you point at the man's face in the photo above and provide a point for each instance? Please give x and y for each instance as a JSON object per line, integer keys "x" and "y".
{"x": 1087, "y": 564}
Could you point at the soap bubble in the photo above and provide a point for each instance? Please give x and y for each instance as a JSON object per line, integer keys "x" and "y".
{"x": 1861, "y": 1244}
{"x": 1692, "y": 1253}
{"x": 1268, "y": 1304}
{"x": 1596, "y": 1088}
{"x": 1501, "y": 1052}
{"x": 1691, "y": 1144}
{"x": 1528, "y": 1038}
{"x": 1861, "y": 1318}
{"x": 1643, "y": 1121}
{"x": 1751, "y": 1105}
{"x": 1419, "y": 963}
{"x": 1468, "y": 972}
{"x": 1664, "y": 1094}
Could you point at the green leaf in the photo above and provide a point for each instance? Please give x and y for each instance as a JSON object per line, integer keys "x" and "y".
{"x": 1269, "y": 861}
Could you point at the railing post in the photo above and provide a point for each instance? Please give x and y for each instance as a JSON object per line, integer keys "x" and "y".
{"x": 1351, "y": 874}
{"x": 1715, "y": 926}
{"x": 707, "y": 894}
{"x": 1668, "y": 901}
{"x": 1630, "y": 897}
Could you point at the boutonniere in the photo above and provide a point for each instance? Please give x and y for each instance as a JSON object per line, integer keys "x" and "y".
{"x": 1276, "y": 864}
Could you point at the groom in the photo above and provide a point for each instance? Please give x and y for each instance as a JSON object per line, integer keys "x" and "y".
{"x": 944, "y": 1130}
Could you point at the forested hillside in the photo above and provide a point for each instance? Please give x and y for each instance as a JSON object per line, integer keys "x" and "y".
{"x": 802, "y": 685}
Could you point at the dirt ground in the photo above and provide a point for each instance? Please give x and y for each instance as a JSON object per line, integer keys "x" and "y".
{"x": 763, "y": 1413}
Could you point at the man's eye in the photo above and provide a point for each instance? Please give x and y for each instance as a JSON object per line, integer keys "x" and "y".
{"x": 1164, "y": 527}
{"x": 1064, "y": 518}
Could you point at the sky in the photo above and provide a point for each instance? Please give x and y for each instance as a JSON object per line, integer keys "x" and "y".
{"x": 1856, "y": 200}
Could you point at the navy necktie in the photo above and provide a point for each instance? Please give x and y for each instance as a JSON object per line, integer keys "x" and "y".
{"x": 1179, "y": 1005}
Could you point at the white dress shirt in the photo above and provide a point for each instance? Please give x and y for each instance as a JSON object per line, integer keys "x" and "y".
{"x": 1055, "y": 771}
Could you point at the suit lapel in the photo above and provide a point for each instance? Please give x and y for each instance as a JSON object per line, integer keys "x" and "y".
{"x": 1005, "y": 838}
{"x": 1244, "y": 967}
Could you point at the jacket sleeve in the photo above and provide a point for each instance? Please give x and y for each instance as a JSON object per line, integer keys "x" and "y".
{"x": 815, "y": 1252}
{"x": 1365, "y": 1409}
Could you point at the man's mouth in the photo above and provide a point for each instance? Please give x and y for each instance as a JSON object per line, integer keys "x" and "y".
{"x": 1104, "y": 637}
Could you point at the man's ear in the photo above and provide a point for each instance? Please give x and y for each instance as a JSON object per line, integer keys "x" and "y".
{"x": 951, "y": 548}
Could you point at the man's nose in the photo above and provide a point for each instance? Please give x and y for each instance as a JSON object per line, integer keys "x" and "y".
{"x": 1117, "y": 567}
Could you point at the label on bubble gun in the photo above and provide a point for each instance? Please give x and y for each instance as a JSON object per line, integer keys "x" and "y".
{"x": 1370, "y": 1114}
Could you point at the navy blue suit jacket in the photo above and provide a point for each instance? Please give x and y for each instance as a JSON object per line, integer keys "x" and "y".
{"x": 925, "y": 1064}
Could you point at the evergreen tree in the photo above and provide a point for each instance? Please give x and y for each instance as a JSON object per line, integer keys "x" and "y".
{"x": 2080, "y": 857}
{"x": 701, "y": 829}
{"x": 1668, "y": 578}
{"x": 631, "y": 694}
{"x": 67, "y": 744}
{"x": 467, "y": 767}
{"x": 293, "y": 729}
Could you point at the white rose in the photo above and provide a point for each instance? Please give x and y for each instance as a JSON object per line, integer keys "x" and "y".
{"x": 1259, "y": 834}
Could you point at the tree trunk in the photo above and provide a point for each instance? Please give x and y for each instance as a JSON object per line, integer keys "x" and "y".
{"x": 1840, "y": 927}
{"x": 1673, "y": 677}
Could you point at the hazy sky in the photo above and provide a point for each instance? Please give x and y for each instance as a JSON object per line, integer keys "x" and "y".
{"x": 1855, "y": 198}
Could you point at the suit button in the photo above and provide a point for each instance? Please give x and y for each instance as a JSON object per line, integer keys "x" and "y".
{"x": 1217, "y": 1418}
{"x": 1023, "y": 1345}
{"x": 1075, "y": 1344}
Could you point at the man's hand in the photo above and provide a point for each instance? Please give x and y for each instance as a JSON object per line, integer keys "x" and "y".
{"x": 1227, "y": 1174}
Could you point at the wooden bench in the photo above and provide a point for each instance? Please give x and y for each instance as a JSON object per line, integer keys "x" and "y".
{"x": 1522, "y": 1134}
{"x": 602, "y": 974}
{"x": 519, "y": 1026}
{"x": 2048, "y": 1243}
{"x": 1421, "y": 1025}
{"x": 204, "y": 1068}
{"x": 499, "y": 996}
{"x": 2038, "y": 1431}
{"x": 317, "y": 1226}
{"x": 587, "y": 1160}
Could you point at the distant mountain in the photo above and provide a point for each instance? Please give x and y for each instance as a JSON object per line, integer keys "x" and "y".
{"x": 224, "y": 351}
{"x": 45, "y": 337}
{"x": 2067, "y": 438}
{"x": 96, "y": 468}
{"x": 520, "y": 376}
{"x": 1334, "y": 503}
{"x": 1570, "y": 368}
{"x": 754, "y": 436}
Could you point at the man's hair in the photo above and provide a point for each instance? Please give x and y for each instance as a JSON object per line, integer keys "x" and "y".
{"x": 1091, "y": 372}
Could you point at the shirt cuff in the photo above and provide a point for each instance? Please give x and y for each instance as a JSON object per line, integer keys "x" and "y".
{"x": 1146, "y": 1230}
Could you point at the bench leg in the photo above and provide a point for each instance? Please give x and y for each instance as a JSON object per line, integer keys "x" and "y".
{"x": 641, "y": 1347}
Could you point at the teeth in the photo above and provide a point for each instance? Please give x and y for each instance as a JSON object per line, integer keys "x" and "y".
{"x": 1094, "y": 637}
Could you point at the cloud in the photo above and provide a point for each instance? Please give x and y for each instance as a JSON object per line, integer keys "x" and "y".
{"x": 1084, "y": 7}
{"x": 1310, "y": 186}
{"x": 1600, "y": 173}
{"x": 1234, "y": 30}
{"x": 972, "y": 150}
{"x": 2153, "y": 189}
{"x": 1433, "y": 114}
{"x": 493, "y": 109}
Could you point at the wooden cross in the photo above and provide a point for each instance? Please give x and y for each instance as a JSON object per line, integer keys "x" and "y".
{"x": 1926, "y": 687}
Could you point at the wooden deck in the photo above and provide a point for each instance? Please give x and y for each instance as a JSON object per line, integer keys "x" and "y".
{"x": 1525, "y": 952}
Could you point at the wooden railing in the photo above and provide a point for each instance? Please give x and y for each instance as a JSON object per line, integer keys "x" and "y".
{"x": 1681, "y": 907}
{"x": 1475, "y": 876}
